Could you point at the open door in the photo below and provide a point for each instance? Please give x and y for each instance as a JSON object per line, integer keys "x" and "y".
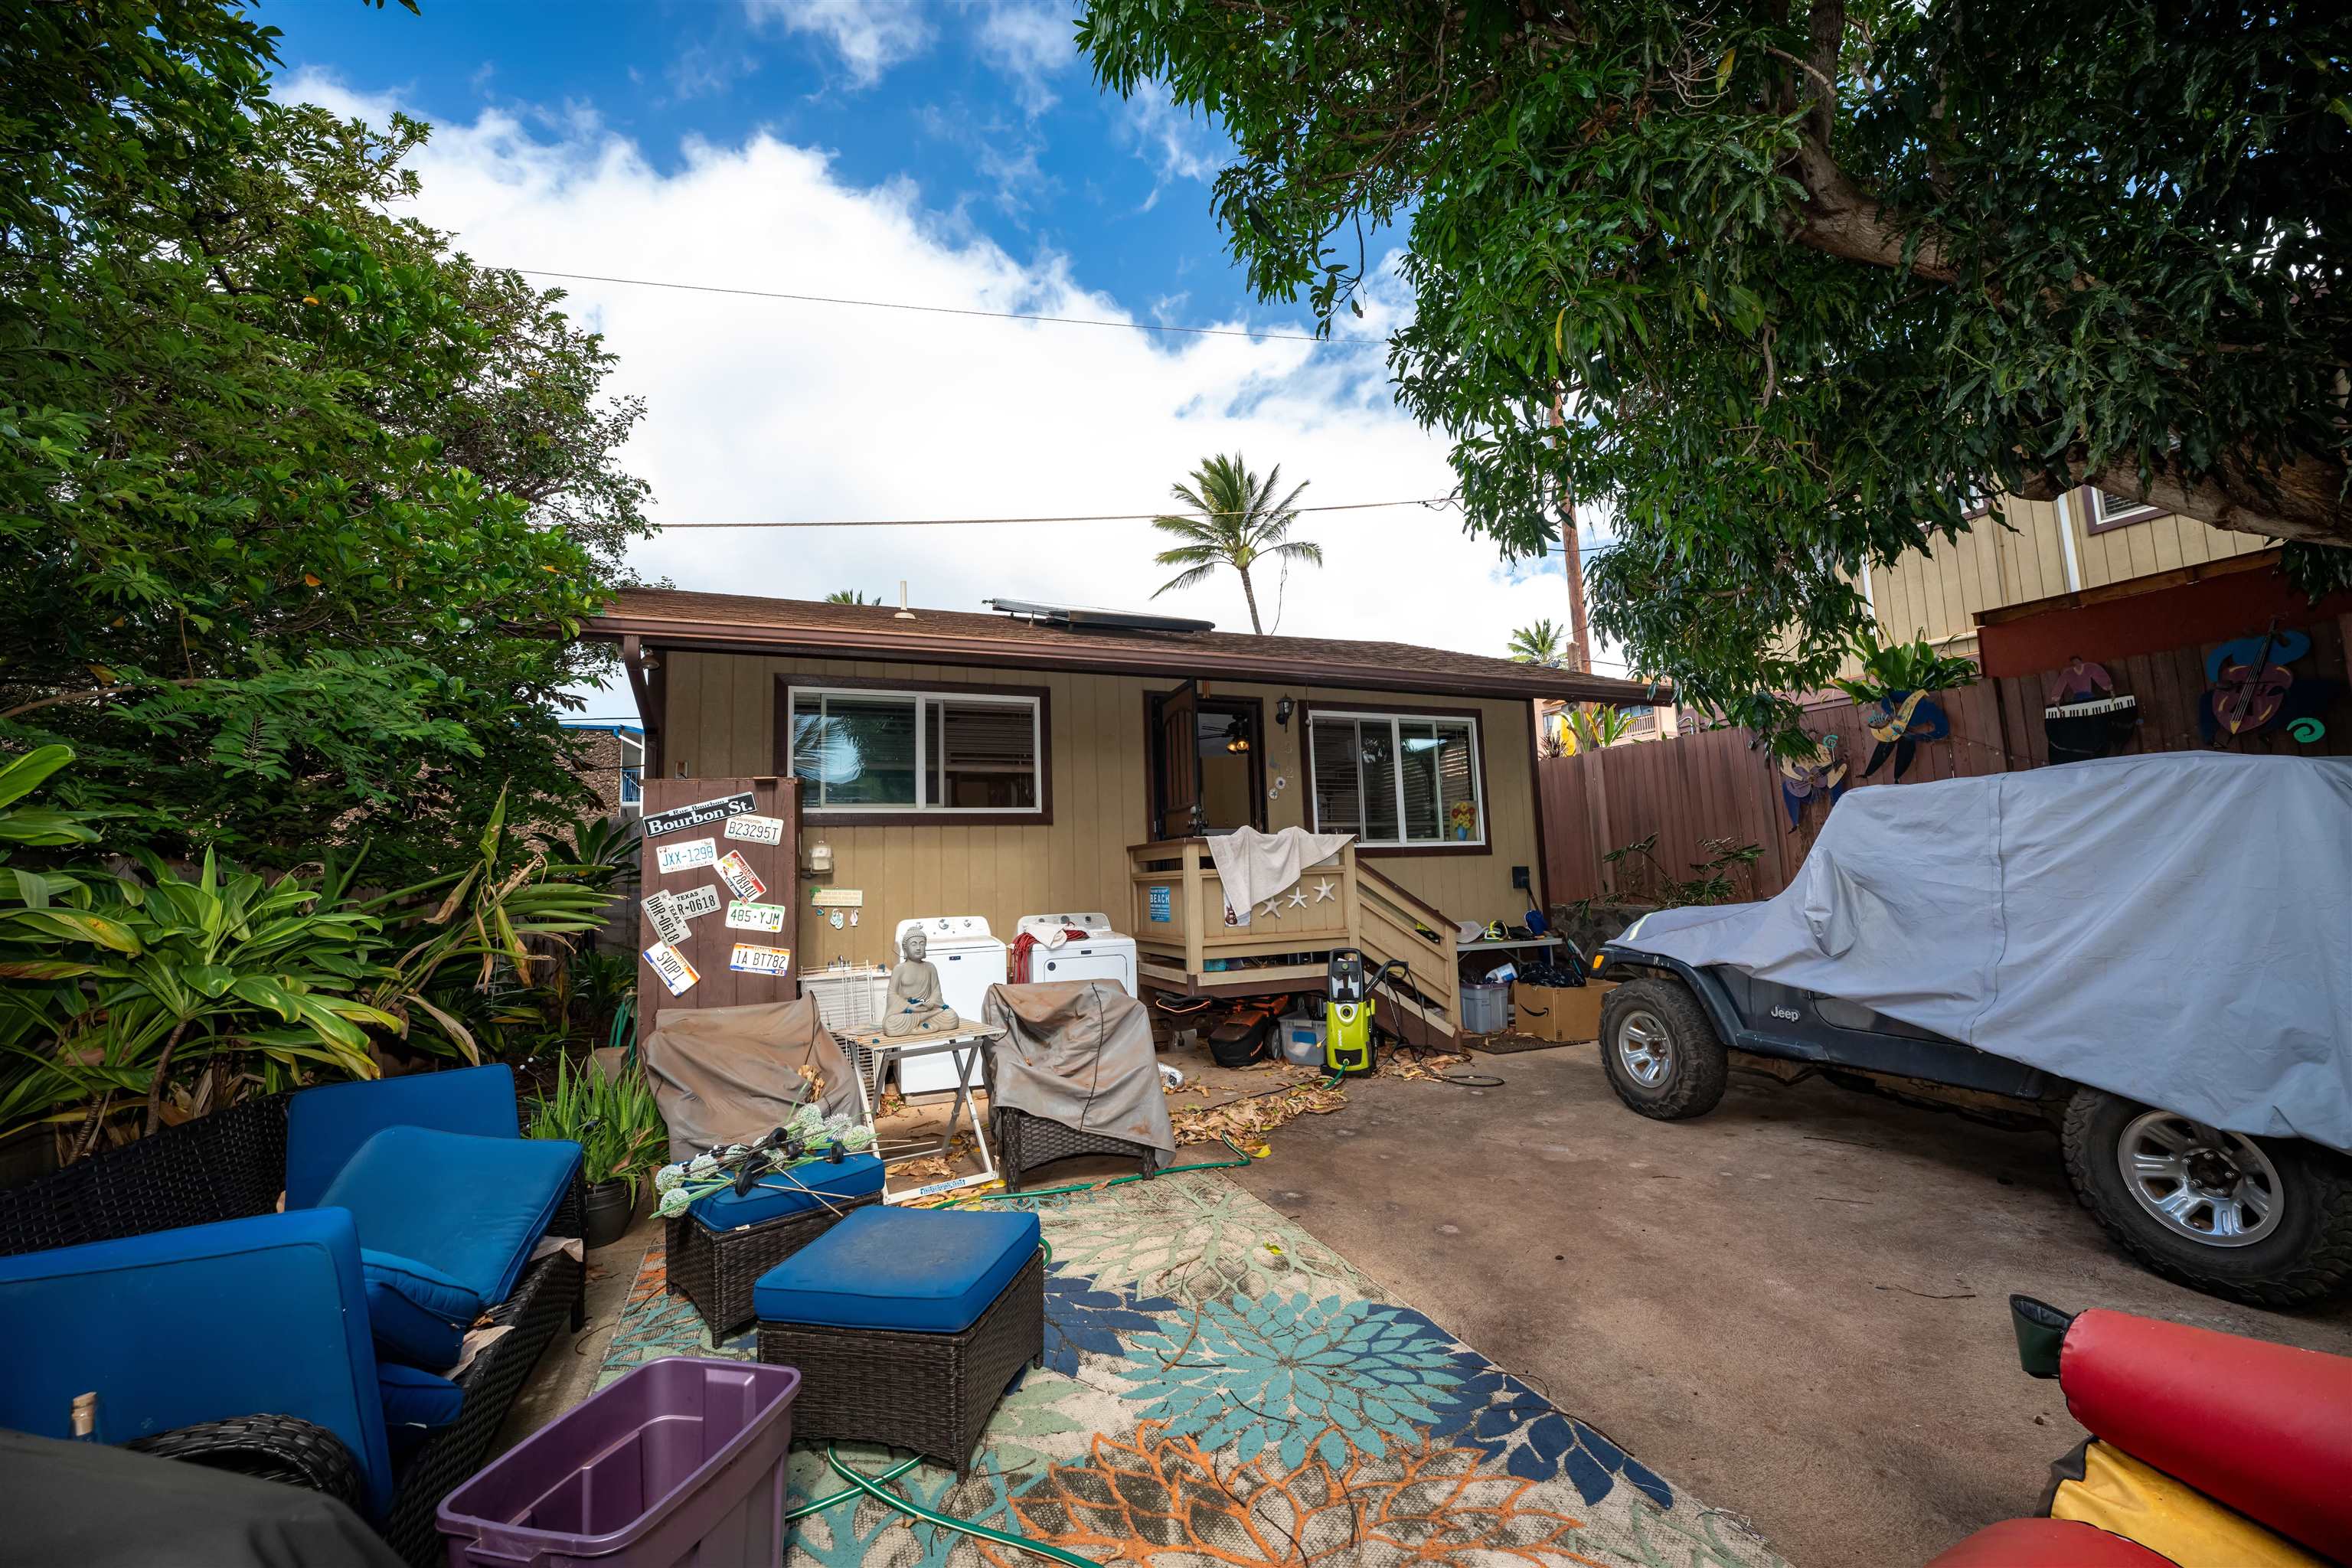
{"x": 1176, "y": 783}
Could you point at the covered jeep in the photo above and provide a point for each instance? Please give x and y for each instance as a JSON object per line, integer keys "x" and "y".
{"x": 2155, "y": 949}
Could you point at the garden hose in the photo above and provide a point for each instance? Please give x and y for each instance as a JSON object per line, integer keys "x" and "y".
{"x": 916, "y": 1510}
{"x": 1241, "y": 1157}
{"x": 845, "y": 1493}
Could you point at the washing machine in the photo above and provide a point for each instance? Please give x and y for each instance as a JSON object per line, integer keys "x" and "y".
{"x": 970, "y": 958}
{"x": 1101, "y": 954}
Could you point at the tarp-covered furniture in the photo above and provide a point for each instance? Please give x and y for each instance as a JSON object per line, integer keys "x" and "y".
{"x": 2167, "y": 928}
{"x": 99, "y": 1507}
{"x": 905, "y": 1325}
{"x": 730, "y": 1075}
{"x": 160, "y": 1277}
{"x": 1074, "y": 1074}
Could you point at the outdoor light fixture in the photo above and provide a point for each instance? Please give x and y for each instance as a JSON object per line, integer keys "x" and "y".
{"x": 1282, "y": 712}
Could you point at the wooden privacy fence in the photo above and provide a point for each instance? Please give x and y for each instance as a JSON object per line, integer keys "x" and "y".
{"x": 1722, "y": 783}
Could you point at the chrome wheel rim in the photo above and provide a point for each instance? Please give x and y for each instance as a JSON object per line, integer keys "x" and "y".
{"x": 2216, "y": 1188}
{"x": 1645, "y": 1049}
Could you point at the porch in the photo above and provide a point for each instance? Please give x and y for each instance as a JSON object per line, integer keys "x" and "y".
{"x": 1184, "y": 947}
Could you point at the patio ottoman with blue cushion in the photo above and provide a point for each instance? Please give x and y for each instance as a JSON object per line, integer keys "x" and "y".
{"x": 717, "y": 1251}
{"x": 907, "y": 1325}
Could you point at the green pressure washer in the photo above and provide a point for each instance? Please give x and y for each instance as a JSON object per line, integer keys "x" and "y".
{"x": 1348, "y": 1013}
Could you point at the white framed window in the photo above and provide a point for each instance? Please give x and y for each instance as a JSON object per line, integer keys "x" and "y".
{"x": 2107, "y": 509}
{"x": 865, "y": 750}
{"x": 633, "y": 776}
{"x": 1396, "y": 781}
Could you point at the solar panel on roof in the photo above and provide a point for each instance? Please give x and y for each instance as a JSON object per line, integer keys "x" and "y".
{"x": 1078, "y": 618}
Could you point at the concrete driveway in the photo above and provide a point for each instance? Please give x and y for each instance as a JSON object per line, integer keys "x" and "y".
{"x": 1797, "y": 1305}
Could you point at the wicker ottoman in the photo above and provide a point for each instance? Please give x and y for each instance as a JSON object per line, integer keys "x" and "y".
{"x": 905, "y": 1325}
{"x": 717, "y": 1250}
{"x": 1025, "y": 1142}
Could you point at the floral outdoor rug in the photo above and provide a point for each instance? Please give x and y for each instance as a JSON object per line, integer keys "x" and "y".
{"x": 1221, "y": 1388}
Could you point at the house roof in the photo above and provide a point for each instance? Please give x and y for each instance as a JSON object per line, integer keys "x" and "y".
{"x": 675, "y": 618}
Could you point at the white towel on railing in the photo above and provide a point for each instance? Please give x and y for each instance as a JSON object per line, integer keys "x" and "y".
{"x": 1255, "y": 866}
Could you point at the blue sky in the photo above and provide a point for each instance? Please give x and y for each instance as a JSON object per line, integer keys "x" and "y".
{"x": 989, "y": 108}
{"x": 945, "y": 152}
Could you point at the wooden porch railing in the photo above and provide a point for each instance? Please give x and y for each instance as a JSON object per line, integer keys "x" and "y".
{"x": 1184, "y": 943}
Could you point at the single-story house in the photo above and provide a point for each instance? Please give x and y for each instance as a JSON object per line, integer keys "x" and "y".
{"x": 1041, "y": 759}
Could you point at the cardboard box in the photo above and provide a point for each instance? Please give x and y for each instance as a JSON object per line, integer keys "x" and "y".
{"x": 1566, "y": 1013}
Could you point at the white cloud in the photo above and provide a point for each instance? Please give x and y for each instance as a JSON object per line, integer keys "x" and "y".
{"x": 768, "y": 410}
{"x": 871, "y": 35}
{"x": 1028, "y": 42}
{"x": 1179, "y": 143}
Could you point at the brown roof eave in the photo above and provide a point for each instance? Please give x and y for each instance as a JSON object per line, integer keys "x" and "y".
{"x": 724, "y": 636}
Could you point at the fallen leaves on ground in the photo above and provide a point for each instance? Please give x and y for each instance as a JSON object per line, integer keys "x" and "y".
{"x": 1245, "y": 1120}
{"x": 1420, "y": 1065}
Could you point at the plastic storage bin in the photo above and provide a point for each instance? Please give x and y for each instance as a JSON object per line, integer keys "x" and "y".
{"x": 1485, "y": 1007}
{"x": 1302, "y": 1039}
{"x": 680, "y": 1464}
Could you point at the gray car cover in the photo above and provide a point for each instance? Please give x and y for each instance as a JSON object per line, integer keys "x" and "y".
{"x": 2175, "y": 929}
{"x": 727, "y": 1075}
{"x": 1079, "y": 1053}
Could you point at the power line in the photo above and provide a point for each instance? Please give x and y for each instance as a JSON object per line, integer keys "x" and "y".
{"x": 934, "y": 310}
{"x": 1092, "y": 517}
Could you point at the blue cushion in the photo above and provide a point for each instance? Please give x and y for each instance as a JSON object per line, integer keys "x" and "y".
{"x": 781, "y": 1192}
{"x": 928, "y": 1269}
{"x": 418, "y": 1314}
{"x": 416, "y": 1406}
{"x": 200, "y": 1323}
{"x": 469, "y": 1208}
{"x": 325, "y": 1126}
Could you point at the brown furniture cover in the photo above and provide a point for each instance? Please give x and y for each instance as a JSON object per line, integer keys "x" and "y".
{"x": 729, "y": 1075}
{"x": 1079, "y": 1053}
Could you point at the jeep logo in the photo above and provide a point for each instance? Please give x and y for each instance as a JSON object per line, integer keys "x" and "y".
{"x": 1789, "y": 1015}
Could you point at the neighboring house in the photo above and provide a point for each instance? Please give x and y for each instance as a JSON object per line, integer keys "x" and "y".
{"x": 613, "y": 764}
{"x": 2083, "y": 541}
{"x": 1011, "y": 765}
{"x": 1647, "y": 721}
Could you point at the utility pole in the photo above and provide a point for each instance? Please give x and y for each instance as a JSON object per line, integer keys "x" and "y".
{"x": 1573, "y": 549}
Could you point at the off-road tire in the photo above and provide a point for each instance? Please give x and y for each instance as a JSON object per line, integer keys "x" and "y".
{"x": 2308, "y": 1258}
{"x": 1697, "y": 1066}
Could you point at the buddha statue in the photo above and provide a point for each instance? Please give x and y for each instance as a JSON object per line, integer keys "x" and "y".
{"x": 915, "y": 1004}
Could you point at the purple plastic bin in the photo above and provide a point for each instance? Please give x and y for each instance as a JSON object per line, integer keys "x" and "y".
{"x": 680, "y": 1464}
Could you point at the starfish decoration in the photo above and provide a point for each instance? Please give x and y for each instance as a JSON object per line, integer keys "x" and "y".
{"x": 1273, "y": 910}
{"x": 1298, "y": 898}
{"x": 1324, "y": 889}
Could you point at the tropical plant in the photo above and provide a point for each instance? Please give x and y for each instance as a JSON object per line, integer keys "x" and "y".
{"x": 1804, "y": 278}
{"x": 1595, "y": 725}
{"x": 612, "y": 1116}
{"x": 143, "y": 985}
{"x": 595, "y": 851}
{"x": 481, "y": 921}
{"x": 302, "y": 507}
{"x": 1234, "y": 522}
{"x": 126, "y": 977}
{"x": 849, "y": 596}
{"x": 1887, "y": 668}
{"x": 1542, "y": 643}
{"x": 1726, "y": 875}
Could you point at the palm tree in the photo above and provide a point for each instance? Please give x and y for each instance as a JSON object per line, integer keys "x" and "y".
{"x": 1236, "y": 523}
{"x": 1537, "y": 644}
{"x": 848, "y": 596}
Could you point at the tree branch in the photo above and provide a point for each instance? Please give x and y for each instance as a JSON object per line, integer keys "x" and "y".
{"x": 93, "y": 693}
{"x": 1841, "y": 219}
{"x": 2300, "y": 500}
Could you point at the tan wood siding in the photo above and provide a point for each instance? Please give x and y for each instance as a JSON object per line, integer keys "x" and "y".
{"x": 722, "y": 721}
{"x": 1939, "y": 591}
